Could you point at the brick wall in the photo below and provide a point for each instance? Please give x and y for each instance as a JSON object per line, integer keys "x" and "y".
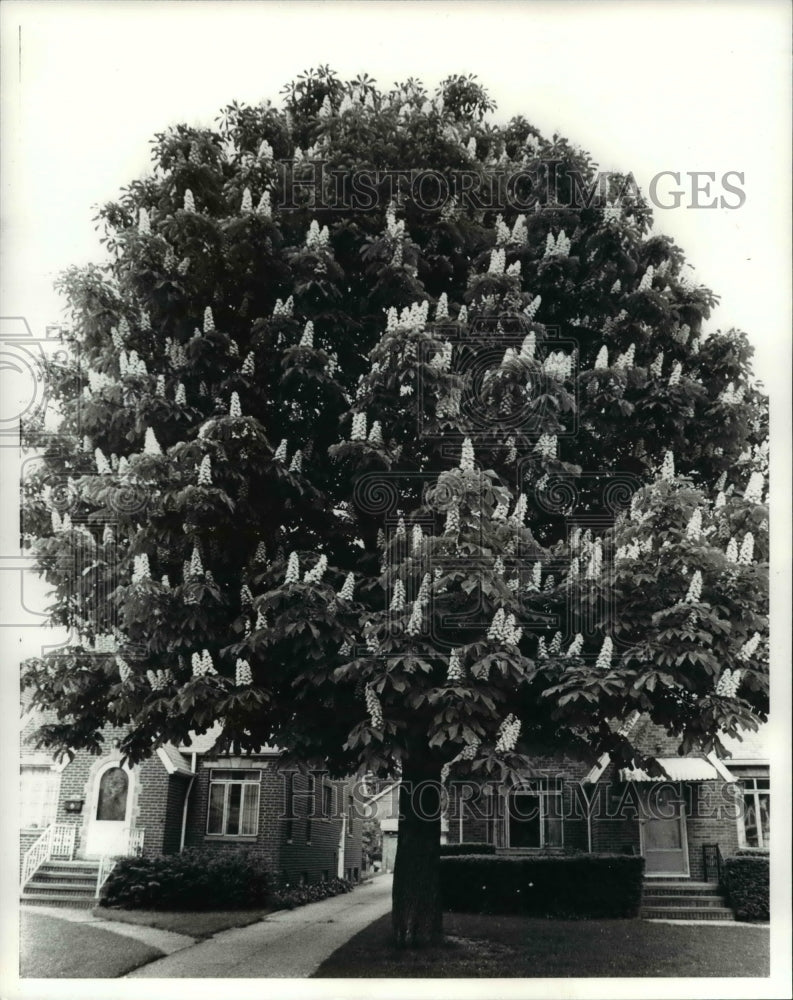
{"x": 160, "y": 803}
{"x": 615, "y": 817}
{"x": 152, "y": 799}
{"x": 716, "y": 824}
{"x": 149, "y": 788}
{"x": 265, "y": 844}
{"x": 303, "y": 849}
{"x": 312, "y": 851}
{"x": 174, "y": 806}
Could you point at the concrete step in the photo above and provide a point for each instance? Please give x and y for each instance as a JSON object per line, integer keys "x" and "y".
{"x": 80, "y": 902}
{"x": 678, "y": 901}
{"x": 680, "y": 888}
{"x": 63, "y": 888}
{"x": 85, "y": 869}
{"x": 720, "y": 913}
{"x": 64, "y": 875}
{"x": 76, "y": 863}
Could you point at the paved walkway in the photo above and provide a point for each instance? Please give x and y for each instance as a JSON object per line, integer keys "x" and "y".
{"x": 167, "y": 941}
{"x": 286, "y": 944}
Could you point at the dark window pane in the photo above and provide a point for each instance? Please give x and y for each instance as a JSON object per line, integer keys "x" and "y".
{"x": 765, "y": 818}
{"x": 217, "y": 795}
{"x": 750, "y": 822}
{"x": 250, "y": 809}
{"x": 235, "y": 775}
{"x": 233, "y": 817}
{"x": 112, "y": 800}
{"x": 524, "y": 820}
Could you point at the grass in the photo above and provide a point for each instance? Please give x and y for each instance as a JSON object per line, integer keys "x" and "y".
{"x": 56, "y": 949}
{"x": 196, "y": 924}
{"x": 505, "y": 946}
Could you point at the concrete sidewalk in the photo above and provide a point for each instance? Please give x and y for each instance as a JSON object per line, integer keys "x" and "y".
{"x": 166, "y": 941}
{"x": 286, "y": 944}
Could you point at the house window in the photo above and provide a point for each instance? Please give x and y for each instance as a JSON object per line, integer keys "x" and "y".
{"x": 310, "y": 806}
{"x": 350, "y": 815}
{"x": 233, "y": 803}
{"x": 756, "y": 811}
{"x": 38, "y": 787}
{"x": 289, "y": 804}
{"x": 535, "y": 815}
{"x": 327, "y": 801}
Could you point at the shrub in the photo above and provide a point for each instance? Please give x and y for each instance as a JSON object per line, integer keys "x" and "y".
{"x": 747, "y": 882}
{"x": 450, "y": 850}
{"x": 288, "y": 899}
{"x": 192, "y": 880}
{"x": 582, "y": 885}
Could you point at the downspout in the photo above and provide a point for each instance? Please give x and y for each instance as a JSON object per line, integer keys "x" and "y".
{"x": 589, "y": 827}
{"x": 186, "y": 801}
{"x": 340, "y": 871}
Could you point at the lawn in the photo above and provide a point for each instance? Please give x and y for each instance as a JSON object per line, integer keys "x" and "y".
{"x": 195, "y": 924}
{"x": 525, "y": 947}
{"x": 57, "y": 949}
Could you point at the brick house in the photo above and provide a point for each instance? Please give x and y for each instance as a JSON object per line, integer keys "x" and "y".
{"x": 305, "y": 827}
{"x": 683, "y": 824}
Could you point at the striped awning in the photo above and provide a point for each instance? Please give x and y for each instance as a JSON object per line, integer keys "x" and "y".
{"x": 677, "y": 769}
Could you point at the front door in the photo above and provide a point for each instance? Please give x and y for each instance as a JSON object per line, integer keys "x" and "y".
{"x": 109, "y": 819}
{"x": 663, "y": 832}
{"x": 524, "y": 819}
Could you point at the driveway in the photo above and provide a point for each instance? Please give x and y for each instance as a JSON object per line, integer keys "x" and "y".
{"x": 286, "y": 944}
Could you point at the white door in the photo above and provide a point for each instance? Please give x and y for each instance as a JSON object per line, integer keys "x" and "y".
{"x": 663, "y": 833}
{"x": 108, "y": 825}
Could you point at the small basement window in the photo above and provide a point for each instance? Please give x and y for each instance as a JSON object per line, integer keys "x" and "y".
{"x": 233, "y": 803}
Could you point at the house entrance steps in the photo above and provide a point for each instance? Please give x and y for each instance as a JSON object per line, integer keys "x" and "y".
{"x": 665, "y": 899}
{"x": 62, "y": 883}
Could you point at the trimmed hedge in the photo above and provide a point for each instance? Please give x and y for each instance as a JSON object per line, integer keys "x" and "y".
{"x": 288, "y": 899}
{"x": 582, "y": 885}
{"x": 747, "y": 884}
{"x": 450, "y": 850}
{"x": 192, "y": 880}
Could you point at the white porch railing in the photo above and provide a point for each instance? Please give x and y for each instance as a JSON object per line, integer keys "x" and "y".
{"x": 57, "y": 840}
{"x": 133, "y": 847}
{"x": 106, "y": 866}
{"x": 135, "y": 842}
{"x": 64, "y": 838}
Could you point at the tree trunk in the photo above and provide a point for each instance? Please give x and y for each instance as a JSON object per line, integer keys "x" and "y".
{"x": 417, "y": 917}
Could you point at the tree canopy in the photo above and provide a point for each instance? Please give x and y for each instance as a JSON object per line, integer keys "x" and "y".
{"x": 379, "y": 480}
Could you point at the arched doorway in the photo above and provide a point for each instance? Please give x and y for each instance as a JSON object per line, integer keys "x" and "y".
{"x": 108, "y": 821}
